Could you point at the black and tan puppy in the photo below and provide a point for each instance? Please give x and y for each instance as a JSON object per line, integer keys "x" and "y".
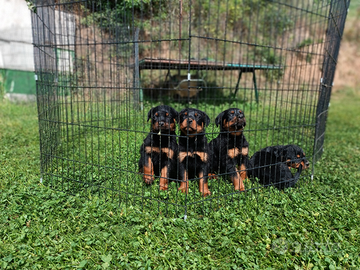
{"x": 230, "y": 149}
{"x": 271, "y": 165}
{"x": 158, "y": 153}
{"x": 193, "y": 149}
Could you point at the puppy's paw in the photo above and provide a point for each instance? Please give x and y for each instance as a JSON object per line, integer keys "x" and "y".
{"x": 184, "y": 187}
{"x": 148, "y": 179}
{"x": 212, "y": 176}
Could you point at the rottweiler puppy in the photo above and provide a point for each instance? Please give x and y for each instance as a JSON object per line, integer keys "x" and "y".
{"x": 193, "y": 149}
{"x": 230, "y": 148}
{"x": 272, "y": 165}
{"x": 158, "y": 153}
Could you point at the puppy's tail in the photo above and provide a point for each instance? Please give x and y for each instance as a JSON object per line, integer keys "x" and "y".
{"x": 296, "y": 177}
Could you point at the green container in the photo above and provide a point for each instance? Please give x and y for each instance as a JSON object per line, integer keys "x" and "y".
{"x": 17, "y": 81}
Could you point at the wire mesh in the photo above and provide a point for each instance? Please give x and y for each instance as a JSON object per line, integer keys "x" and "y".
{"x": 102, "y": 65}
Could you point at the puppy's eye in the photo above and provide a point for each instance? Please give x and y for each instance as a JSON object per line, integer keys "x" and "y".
{"x": 185, "y": 113}
{"x": 167, "y": 114}
{"x": 232, "y": 112}
{"x": 156, "y": 114}
{"x": 196, "y": 114}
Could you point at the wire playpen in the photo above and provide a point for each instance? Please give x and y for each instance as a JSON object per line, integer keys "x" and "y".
{"x": 102, "y": 65}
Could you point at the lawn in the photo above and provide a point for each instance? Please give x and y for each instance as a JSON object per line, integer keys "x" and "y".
{"x": 314, "y": 226}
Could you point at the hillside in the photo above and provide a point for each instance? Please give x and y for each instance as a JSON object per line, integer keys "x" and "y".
{"x": 347, "y": 71}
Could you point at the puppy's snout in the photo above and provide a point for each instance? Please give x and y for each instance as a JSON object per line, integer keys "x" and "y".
{"x": 190, "y": 120}
{"x": 161, "y": 123}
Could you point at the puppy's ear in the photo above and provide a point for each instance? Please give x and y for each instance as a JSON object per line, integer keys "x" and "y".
{"x": 299, "y": 151}
{"x": 274, "y": 151}
{"x": 150, "y": 114}
{"x": 179, "y": 115}
{"x": 174, "y": 114}
{"x": 218, "y": 119}
{"x": 290, "y": 152}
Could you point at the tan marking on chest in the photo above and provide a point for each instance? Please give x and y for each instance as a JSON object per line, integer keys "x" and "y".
{"x": 203, "y": 156}
{"x": 169, "y": 152}
{"x": 150, "y": 149}
{"x": 236, "y": 133}
{"x": 182, "y": 156}
{"x": 234, "y": 152}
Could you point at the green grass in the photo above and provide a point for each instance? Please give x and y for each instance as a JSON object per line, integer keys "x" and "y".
{"x": 354, "y": 9}
{"x": 315, "y": 226}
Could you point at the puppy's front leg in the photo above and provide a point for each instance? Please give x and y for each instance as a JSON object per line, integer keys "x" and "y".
{"x": 242, "y": 175}
{"x": 203, "y": 185}
{"x": 184, "y": 185}
{"x": 148, "y": 171}
{"x": 164, "y": 178}
{"x": 237, "y": 180}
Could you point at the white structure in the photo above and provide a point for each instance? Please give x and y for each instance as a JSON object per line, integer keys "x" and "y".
{"x": 16, "y": 51}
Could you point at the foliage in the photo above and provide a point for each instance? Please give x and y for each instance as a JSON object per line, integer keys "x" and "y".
{"x": 31, "y": 5}
{"x": 110, "y": 15}
{"x": 270, "y": 56}
{"x": 305, "y": 42}
{"x": 239, "y": 17}
{"x": 151, "y": 17}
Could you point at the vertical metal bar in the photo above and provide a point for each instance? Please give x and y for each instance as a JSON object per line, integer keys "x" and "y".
{"x": 255, "y": 87}
{"x": 180, "y": 24}
{"x": 137, "y": 86}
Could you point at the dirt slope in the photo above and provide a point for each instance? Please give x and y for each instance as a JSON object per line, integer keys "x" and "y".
{"x": 348, "y": 68}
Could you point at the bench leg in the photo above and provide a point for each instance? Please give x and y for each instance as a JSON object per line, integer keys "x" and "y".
{"x": 238, "y": 82}
{"x": 255, "y": 87}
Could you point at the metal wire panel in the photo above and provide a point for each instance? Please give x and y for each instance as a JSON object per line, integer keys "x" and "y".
{"x": 102, "y": 65}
